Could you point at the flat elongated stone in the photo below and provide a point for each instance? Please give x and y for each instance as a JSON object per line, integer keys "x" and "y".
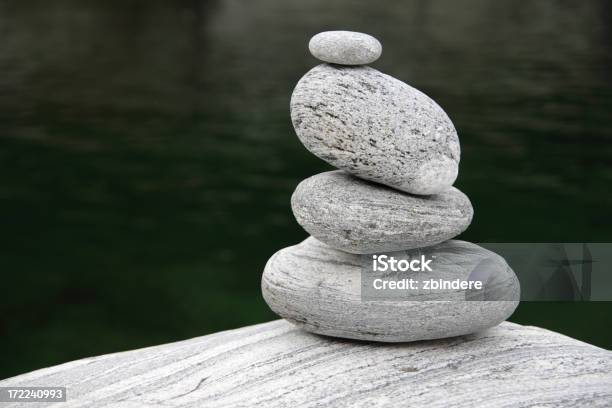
{"x": 362, "y": 217}
{"x": 345, "y": 47}
{"x": 376, "y": 127}
{"x": 319, "y": 289}
{"x": 275, "y": 364}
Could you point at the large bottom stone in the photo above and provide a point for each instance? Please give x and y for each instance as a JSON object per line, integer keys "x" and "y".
{"x": 319, "y": 289}
{"x": 276, "y": 365}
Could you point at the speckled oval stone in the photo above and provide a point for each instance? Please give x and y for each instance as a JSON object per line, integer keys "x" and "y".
{"x": 319, "y": 289}
{"x": 376, "y": 127}
{"x": 362, "y": 217}
{"x": 345, "y": 47}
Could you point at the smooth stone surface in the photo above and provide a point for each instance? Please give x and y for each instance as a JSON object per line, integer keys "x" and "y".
{"x": 362, "y": 217}
{"x": 376, "y": 127}
{"x": 277, "y": 365}
{"x": 319, "y": 289}
{"x": 345, "y": 47}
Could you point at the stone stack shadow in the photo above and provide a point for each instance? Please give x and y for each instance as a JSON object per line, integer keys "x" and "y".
{"x": 398, "y": 154}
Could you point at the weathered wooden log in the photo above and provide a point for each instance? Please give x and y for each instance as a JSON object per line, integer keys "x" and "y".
{"x": 277, "y": 365}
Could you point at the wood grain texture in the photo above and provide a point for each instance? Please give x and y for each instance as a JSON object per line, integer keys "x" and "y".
{"x": 277, "y": 365}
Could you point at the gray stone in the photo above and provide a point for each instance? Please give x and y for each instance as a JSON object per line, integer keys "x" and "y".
{"x": 345, "y": 47}
{"x": 275, "y": 364}
{"x": 319, "y": 289}
{"x": 362, "y": 217}
{"x": 376, "y": 127}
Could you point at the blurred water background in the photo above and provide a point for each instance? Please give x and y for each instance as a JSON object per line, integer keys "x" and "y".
{"x": 147, "y": 155}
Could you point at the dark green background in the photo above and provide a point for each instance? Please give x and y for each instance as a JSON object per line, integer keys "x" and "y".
{"x": 148, "y": 156}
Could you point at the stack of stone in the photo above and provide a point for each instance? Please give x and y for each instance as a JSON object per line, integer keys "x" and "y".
{"x": 398, "y": 155}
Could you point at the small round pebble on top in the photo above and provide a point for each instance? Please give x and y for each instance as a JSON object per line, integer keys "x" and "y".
{"x": 345, "y": 47}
